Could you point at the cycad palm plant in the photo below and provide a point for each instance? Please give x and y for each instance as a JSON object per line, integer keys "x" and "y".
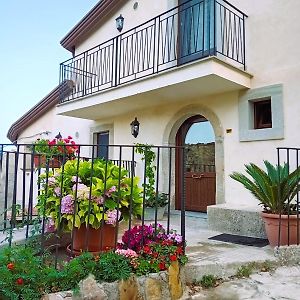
{"x": 275, "y": 188}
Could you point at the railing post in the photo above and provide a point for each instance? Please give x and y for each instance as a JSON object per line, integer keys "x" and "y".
{"x": 215, "y": 27}
{"x": 244, "y": 43}
{"x": 83, "y": 73}
{"x": 117, "y": 66}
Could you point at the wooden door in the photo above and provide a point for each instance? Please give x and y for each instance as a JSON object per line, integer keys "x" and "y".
{"x": 199, "y": 177}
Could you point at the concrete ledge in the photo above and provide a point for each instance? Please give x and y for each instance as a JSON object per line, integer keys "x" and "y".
{"x": 241, "y": 220}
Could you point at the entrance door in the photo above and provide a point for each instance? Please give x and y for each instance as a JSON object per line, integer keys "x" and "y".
{"x": 196, "y": 133}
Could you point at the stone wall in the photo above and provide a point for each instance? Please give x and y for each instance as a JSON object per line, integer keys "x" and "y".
{"x": 157, "y": 286}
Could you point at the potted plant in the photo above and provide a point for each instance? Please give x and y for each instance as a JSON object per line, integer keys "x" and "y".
{"x": 275, "y": 189}
{"x": 81, "y": 199}
{"x": 53, "y": 151}
{"x": 153, "y": 201}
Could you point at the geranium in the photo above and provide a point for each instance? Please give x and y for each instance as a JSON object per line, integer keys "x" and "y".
{"x": 127, "y": 252}
{"x": 57, "y": 146}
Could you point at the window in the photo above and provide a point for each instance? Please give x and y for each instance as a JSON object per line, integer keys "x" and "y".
{"x": 102, "y": 142}
{"x": 262, "y": 114}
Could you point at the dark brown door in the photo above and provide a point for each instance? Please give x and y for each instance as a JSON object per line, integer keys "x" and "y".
{"x": 199, "y": 171}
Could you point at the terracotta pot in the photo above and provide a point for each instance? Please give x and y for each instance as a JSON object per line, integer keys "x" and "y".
{"x": 287, "y": 236}
{"x": 40, "y": 162}
{"x": 93, "y": 240}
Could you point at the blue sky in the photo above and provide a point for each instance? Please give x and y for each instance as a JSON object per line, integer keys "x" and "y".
{"x": 200, "y": 133}
{"x": 30, "y": 52}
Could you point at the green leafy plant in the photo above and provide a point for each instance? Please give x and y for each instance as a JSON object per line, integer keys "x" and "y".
{"x": 275, "y": 188}
{"x": 152, "y": 199}
{"x": 85, "y": 192}
{"x": 245, "y": 271}
{"x": 208, "y": 281}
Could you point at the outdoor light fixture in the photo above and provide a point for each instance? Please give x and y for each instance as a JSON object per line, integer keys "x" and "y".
{"x": 135, "y": 127}
{"x": 58, "y": 136}
{"x": 120, "y": 23}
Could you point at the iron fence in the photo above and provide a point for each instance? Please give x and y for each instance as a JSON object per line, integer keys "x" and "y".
{"x": 185, "y": 33}
{"x": 288, "y": 231}
{"x": 52, "y": 197}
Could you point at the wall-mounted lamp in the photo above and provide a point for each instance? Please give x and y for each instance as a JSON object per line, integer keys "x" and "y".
{"x": 58, "y": 136}
{"x": 119, "y": 22}
{"x": 135, "y": 127}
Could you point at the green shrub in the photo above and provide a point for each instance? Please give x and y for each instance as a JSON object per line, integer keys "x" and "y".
{"x": 208, "y": 281}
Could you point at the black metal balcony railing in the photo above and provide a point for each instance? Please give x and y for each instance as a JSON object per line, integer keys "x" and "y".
{"x": 188, "y": 32}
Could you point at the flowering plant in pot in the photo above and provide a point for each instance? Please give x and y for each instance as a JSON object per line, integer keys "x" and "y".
{"x": 151, "y": 248}
{"x": 89, "y": 198}
{"x": 155, "y": 203}
{"x": 54, "y": 151}
{"x": 275, "y": 189}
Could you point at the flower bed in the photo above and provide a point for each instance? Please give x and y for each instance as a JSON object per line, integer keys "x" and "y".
{"x": 26, "y": 275}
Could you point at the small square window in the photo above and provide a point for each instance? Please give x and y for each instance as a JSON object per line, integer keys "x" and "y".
{"x": 262, "y": 114}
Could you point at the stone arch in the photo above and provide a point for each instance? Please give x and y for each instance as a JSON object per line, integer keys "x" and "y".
{"x": 175, "y": 123}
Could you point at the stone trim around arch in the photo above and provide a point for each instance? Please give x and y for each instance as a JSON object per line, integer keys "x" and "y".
{"x": 175, "y": 123}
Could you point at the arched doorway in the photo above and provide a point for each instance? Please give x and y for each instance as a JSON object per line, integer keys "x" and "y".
{"x": 196, "y": 133}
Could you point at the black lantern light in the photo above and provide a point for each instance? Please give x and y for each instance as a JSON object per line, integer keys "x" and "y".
{"x": 135, "y": 127}
{"x": 58, "y": 136}
{"x": 119, "y": 22}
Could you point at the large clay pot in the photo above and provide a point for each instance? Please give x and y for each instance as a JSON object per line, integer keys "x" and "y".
{"x": 93, "y": 240}
{"x": 40, "y": 162}
{"x": 288, "y": 229}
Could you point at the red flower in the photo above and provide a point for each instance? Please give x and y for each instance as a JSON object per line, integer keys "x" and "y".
{"x": 179, "y": 250}
{"x": 67, "y": 141}
{"x": 20, "y": 281}
{"x": 147, "y": 249}
{"x": 155, "y": 254}
{"x": 51, "y": 143}
{"x": 10, "y": 266}
{"x": 173, "y": 257}
{"x": 69, "y": 137}
{"x": 162, "y": 266}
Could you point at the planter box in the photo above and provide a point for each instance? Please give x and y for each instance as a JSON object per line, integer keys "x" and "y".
{"x": 40, "y": 162}
{"x": 149, "y": 214}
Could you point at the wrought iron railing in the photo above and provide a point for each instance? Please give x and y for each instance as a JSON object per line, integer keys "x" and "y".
{"x": 188, "y": 32}
{"x": 31, "y": 184}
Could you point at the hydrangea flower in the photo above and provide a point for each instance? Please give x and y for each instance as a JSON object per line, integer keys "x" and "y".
{"x": 67, "y": 204}
{"x": 98, "y": 200}
{"x": 57, "y": 191}
{"x": 83, "y": 191}
{"x": 50, "y": 225}
{"x": 76, "y": 179}
{"x": 112, "y": 217}
{"x": 110, "y": 191}
{"x": 51, "y": 181}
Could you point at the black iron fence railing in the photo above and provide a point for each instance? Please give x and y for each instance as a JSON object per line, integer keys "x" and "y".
{"x": 288, "y": 227}
{"x": 71, "y": 199}
{"x": 188, "y": 32}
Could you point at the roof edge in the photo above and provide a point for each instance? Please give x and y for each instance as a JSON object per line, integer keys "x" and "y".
{"x": 89, "y": 22}
{"x": 38, "y": 110}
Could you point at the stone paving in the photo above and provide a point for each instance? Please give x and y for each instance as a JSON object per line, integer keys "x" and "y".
{"x": 284, "y": 283}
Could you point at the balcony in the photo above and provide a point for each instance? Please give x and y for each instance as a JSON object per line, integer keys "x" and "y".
{"x": 204, "y": 40}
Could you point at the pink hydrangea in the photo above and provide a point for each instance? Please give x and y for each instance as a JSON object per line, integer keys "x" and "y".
{"x": 76, "y": 179}
{"x": 110, "y": 191}
{"x": 51, "y": 181}
{"x": 83, "y": 191}
{"x": 112, "y": 217}
{"x": 98, "y": 200}
{"x": 67, "y": 205}
{"x": 57, "y": 191}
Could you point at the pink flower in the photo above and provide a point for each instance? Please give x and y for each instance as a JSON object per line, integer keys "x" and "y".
{"x": 83, "y": 191}
{"x": 67, "y": 205}
{"x": 126, "y": 252}
{"x": 74, "y": 179}
{"x": 110, "y": 191}
{"x": 99, "y": 200}
{"x": 112, "y": 217}
{"x": 50, "y": 225}
{"x": 57, "y": 191}
{"x": 51, "y": 181}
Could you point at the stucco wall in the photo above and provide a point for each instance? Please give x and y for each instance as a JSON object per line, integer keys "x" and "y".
{"x": 145, "y": 11}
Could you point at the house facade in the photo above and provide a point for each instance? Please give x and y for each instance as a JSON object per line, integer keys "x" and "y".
{"x": 178, "y": 64}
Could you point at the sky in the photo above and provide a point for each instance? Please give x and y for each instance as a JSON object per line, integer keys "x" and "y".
{"x": 201, "y": 132}
{"x": 30, "y": 51}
